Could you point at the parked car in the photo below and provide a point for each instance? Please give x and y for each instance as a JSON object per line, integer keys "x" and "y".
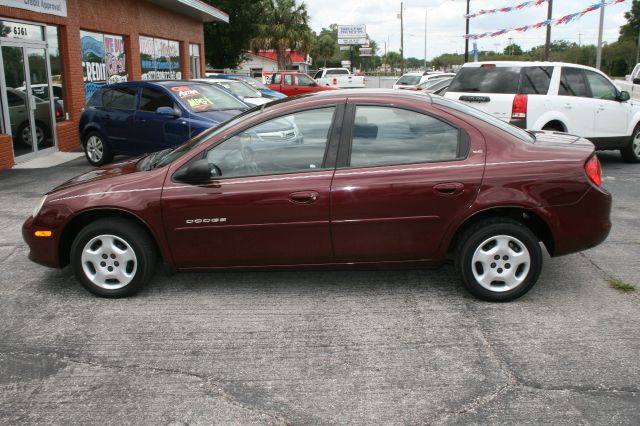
{"x": 375, "y": 177}
{"x": 294, "y": 83}
{"x": 555, "y": 96}
{"x": 430, "y": 86}
{"x": 256, "y": 84}
{"x": 413, "y": 79}
{"x": 138, "y": 117}
{"x": 338, "y": 77}
{"x": 17, "y": 101}
{"x": 239, "y": 89}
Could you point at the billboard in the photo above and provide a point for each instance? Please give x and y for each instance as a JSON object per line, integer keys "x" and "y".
{"x": 103, "y": 60}
{"x": 352, "y": 31}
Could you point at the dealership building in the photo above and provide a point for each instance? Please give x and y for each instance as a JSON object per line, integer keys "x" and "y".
{"x": 55, "y": 53}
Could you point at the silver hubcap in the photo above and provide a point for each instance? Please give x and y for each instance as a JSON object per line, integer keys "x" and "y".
{"x": 501, "y": 263}
{"x": 109, "y": 262}
{"x": 95, "y": 149}
{"x": 26, "y": 135}
{"x": 636, "y": 145}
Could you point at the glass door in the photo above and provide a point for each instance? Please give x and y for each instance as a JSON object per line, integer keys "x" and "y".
{"x": 30, "y": 119}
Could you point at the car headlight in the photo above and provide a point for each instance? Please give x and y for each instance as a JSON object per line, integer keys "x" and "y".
{"x": 39, "y": 206}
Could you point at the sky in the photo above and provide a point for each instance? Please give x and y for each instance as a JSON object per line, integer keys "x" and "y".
{"x": 446, "y": 23}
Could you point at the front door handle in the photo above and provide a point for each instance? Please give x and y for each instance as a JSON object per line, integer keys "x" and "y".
{"x": 449, "y": 188}
{"x": 304, "y": 197}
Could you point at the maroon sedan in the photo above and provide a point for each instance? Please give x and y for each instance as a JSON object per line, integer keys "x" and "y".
{"x": 342, "y": 178}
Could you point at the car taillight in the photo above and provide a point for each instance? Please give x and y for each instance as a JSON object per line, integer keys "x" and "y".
{"x": 594, "y": 171}
{"x": 335, "y": 81}
{"x": 519, "y": 108}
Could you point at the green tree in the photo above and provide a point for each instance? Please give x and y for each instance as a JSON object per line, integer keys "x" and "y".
{"x": 392, "y": 59}
{"x": 225, "y": 44}
{"x": 513, "y": 50}
{"x": 325, "y": 48}
{"x": 284, "y": 25}
{"x": 631, "y": 29}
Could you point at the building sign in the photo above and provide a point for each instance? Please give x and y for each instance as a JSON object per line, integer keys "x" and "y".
{"x": 159, "y": 59}
{"x": 352, "y": 31}
{"x": 343, "y": 41}
{"x": 103, "y": 60}
{"x": 20, "y": 30}
{"x": 366, "y": 51}
{"x": 51, "y": 7}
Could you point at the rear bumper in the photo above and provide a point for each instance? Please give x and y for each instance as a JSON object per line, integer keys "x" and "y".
{"x": 583, "y": 225}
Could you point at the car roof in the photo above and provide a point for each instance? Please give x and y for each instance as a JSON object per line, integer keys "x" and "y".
{"x": 524, "y": 64}
{"x": 366, "y": 93}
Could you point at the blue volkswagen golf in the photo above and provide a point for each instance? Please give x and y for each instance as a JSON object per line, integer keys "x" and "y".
{"x": 138, "y": 117}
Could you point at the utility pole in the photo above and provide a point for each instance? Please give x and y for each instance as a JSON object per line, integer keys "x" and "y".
{"x": 579, "y": 39}
{"x": 638, "y": 50}
{"x": 599, "y": 50}
{"x": 466, "y": 38}
{"x": 401, "y": 38}
{"x": 425, "y": 40}
{"x": 548, "y": 41}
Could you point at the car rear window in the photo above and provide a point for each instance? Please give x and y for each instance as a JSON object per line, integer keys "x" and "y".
{"x": 204, "y": 97}
{"x": 409, "y": 79}
{"x": 338, "y": 71}
{"x": 486, "y": 80}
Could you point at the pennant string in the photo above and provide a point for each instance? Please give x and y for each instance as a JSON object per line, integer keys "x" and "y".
{"x": 530, "y": 3}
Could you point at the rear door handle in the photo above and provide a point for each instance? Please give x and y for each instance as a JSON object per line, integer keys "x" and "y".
{"x": 449, "y": 188}
{"x": 304, "y": 197}
{"x": 568, "y": 106}
{"x": 601, "y": 107}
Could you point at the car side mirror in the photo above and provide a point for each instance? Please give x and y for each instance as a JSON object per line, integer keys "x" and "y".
{"x": 636, "y": 80}
{"x": 624, "y": 96}
{"x": 173, "y": 112}
{"x": 198, "y": 171}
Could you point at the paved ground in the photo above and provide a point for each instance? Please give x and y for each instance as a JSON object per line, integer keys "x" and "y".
{"x": 388, "y": 347}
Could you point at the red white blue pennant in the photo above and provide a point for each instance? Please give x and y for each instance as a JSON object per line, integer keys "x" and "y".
{"x": 549, "y": 22}
{"x": 530, "y": 3}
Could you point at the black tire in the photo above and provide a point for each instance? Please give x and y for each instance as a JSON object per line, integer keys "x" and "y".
{"x": 631, "y": 152}
{"x": 479, "y": 239}
{"x": 552, "y": 128}
{"x": 40, "y": 129}
{"x": 127, "y": 237}
{"x": 96, "y": 149}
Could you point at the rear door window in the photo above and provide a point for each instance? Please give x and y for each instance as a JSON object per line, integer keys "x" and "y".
{"x": 120, "y": 98}
{"x": 535, "y": 80}
{"x": 486, "y": 80}
{"x": 277, "y": 79}
{"x": 572, "y": 83}
{"x": 288, "y": 79}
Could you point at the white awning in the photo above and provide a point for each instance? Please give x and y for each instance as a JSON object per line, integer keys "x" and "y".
{"x": 195, "y": 9}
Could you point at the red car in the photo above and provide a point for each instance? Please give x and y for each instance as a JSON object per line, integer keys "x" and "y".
{"x": 294, "y": 83}
{"x": 356, "y": 178}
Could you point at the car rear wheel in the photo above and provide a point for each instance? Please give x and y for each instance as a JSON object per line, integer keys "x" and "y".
{"x": 113, "y": 257}
{"x": 96, "y": 149}
{"x": 631, "y": 152}
{"x": 25, "y": 134}
{"x": 499, "y": 260}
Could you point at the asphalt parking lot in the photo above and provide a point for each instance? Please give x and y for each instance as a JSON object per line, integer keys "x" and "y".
{"x": 355, "y": 347}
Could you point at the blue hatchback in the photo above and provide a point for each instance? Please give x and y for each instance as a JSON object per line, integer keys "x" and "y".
{"x": 138, "y": 117}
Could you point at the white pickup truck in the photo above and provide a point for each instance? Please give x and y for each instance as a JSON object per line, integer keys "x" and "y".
{"x": 554, "y": 96}
{"x": 338, "y": 77}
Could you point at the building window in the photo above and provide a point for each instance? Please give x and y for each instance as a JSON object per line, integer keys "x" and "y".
{"x": 57, "y": 83}
{"x": 159, "y": 59}
{"x": 103, "y": 60}
{"x": 194, "y": 61}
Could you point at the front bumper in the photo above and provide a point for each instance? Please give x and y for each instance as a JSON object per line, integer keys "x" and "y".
{"x": 44, "y": 250}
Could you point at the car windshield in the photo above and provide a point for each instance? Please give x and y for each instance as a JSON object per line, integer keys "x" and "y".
{"x": 177, "y": 152}
{"x": 240, "y": 89}
{"x": 409, "y": 79}
{"x": 523, "y": 135}
{"x": 255, "y": 83}
{"x": 204, "y": 97}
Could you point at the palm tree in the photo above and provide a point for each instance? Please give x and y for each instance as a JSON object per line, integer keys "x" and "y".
{"x": 325, "y": 48}
{"x": 285, "y": 25}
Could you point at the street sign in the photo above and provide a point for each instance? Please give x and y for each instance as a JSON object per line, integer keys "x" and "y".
{"x": 352, "y": 31}
{"x": 352, "y": 40}
{"x": 345, "y": 48}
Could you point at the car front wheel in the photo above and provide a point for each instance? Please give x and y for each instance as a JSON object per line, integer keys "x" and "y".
{"x": 113, "y": 257}
{"x": 499, "y": 260}
{"x": 631, "y": 152}
{"x": 96, "y": 149}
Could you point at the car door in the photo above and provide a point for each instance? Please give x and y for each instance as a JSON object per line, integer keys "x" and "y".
{"x": 269, "y": 204}
{"x": 158, "y": 131}
{"x": 574, "y": 102}
{"x": 304, "y": 84}
{"x": 402, "y": 178}
{"x": 117, "y": 118}
{"x": 611, "y": 115}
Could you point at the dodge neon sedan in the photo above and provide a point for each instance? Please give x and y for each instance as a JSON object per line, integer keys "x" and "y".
{"x": 372, "y": 177}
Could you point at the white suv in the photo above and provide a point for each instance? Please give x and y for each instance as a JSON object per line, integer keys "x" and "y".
{"x": 553, "y": 96}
